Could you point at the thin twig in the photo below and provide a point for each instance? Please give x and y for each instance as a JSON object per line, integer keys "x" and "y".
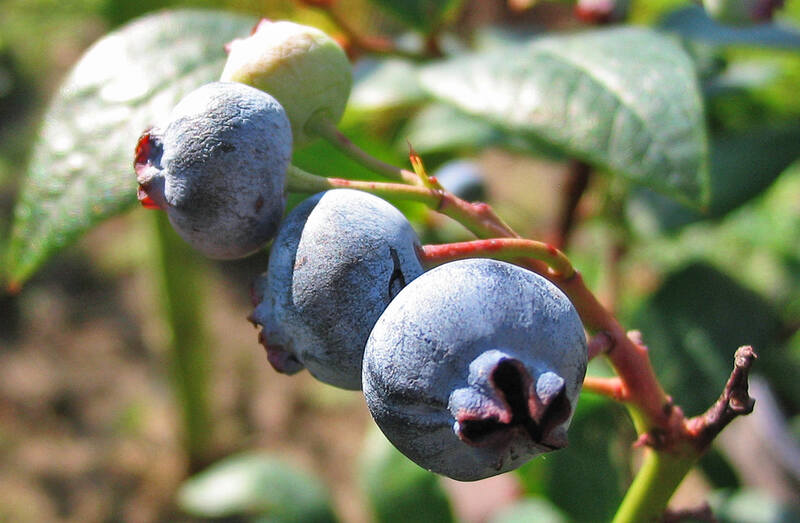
{"x": 502, "y": 249}
{"x": 599, "y": 344}
{"x": 734, "y": 401}
{"x": 327, "y": 130}
{"x": 627, "y": 355}
{"x": 613, "y": 388}
{"x": 578, "y": 174}
{"x": 478, "y": 217}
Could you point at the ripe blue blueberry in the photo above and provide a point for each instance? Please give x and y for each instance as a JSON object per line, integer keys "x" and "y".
{"x": 338, "y": 260}
{"x": 475, "y": 367}
{"x": 218, "y": 168}
{"x": 464, "y": 178}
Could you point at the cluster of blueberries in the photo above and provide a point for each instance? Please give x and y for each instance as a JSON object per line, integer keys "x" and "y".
{"x": 470, "y": 368}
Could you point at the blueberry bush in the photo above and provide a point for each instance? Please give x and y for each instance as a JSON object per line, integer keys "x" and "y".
{"x": 552, "y": 240}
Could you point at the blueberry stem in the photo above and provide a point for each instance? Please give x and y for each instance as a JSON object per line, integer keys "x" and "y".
{"x": 650, "y": 405}
{"x": 479, "y": 218}
{"x": 510, "y": 249}
{"x": 599, "y": 344}
{"x": 662, "y": 426}
{"x": 734, "y": 401}
{"x": 655, "y": 482}
{"x": 663, "y": 470}
{"x": 612, "y": 388}
{"x": 651, "y": 408}
{"x": 319, "y": 124}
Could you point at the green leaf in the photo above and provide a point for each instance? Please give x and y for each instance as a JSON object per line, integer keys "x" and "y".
{"x": 81, "y": 173}
{"x": 420, "y": 14}
{"x": 718, "y": 470}
{"x": 384, "y": 84}
{"x": 693, "y": 23}
{"x": 494, "y": 36}
{"x": 693, "y": 325}
{"x": 254, "y": 484}
{"x": 443, "y": 128}
{"x": 399, "y": 490}
{"x": 743, "y": 165}
{"x": 626, "y": 100}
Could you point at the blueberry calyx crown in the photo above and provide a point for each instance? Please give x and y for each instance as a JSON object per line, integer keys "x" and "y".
{"x": 146, "y": 164}
{"x": 519, "y": 407}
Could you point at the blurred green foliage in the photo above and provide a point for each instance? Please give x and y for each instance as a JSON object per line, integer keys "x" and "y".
{"x": 259, "y": 486}
{"x": 696, "y": 284}
{"x": 397, "y": 490}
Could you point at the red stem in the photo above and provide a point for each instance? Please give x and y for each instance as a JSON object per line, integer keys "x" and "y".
{"x": 734, "y": 401}
{"x": 505, "y": 249}
{"x": 627, "y": 354}
{"x": 614, "y": 388}
{"x": 599, "y": 344}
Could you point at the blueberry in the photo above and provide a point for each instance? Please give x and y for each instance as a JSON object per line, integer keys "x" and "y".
{"x": 338, "y": 260}
{"x": 464, "y": 178}
{"x": 475, "y": 367}
{"x": 218, "y": 168}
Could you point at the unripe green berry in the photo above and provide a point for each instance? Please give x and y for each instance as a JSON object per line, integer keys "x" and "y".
{"x": 302, "y": 67}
